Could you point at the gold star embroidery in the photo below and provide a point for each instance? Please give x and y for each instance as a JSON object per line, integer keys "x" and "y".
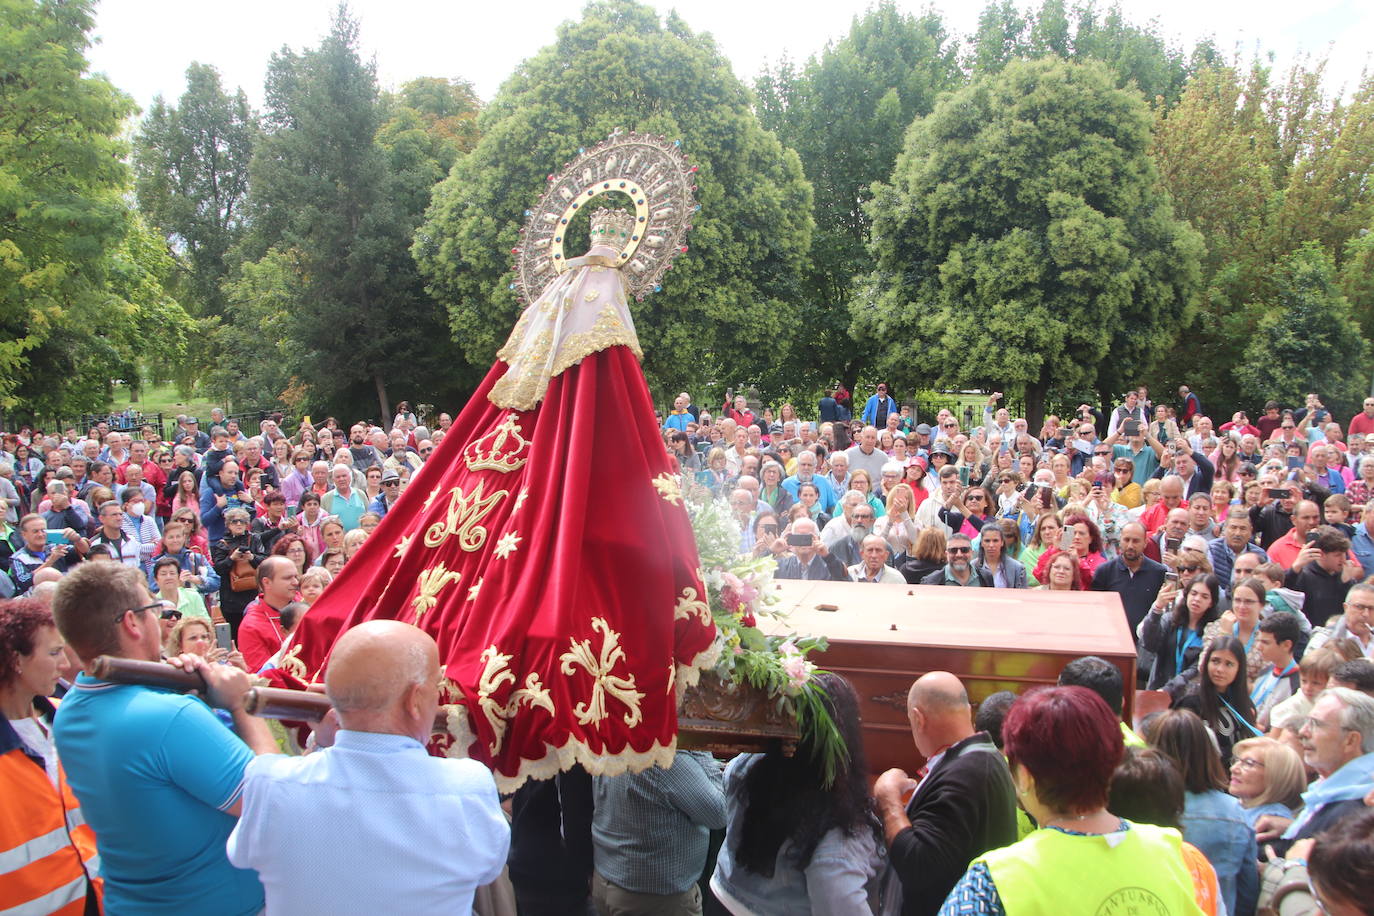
{"x": 433, "y": 493}
{"x": 402, "y": 545}
{"x": 520, "y": 500}
{"x": 667, "y": 487}
{"x": 472, "y": 592}
{"x": 507, "y": 544}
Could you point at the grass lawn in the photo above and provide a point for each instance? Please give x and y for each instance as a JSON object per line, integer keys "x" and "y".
{"x": 165, "y": 400}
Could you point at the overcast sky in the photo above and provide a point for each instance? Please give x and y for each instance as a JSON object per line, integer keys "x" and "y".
{"x": 145, "y": 45}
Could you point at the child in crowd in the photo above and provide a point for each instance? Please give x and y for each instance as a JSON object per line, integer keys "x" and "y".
{"x": 1278, "y": 598}
{"x": 220, "y": 451}
{"x": 1336, "y": 513}
{"x": 1278, "y": 634}
{"x": 1286, "y": 718}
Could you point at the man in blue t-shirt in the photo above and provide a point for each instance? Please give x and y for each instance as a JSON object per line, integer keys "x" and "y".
{"x": 158, "y": 776}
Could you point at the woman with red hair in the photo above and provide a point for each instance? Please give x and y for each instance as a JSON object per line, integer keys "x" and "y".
{"x": 48, "y": 866}
{"x": 1086, "y": 546}
{"x": 1063, "y": 745}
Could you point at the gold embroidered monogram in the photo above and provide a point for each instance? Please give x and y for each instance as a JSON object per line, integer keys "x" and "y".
{"x": 505, "y": 452}
{"x": 432, "y": 582}
{"x": 497, "y": 674}
{"x": 604, "y": 682}
{"x": 464, "y": 513}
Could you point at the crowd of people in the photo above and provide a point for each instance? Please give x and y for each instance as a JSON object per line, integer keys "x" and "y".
{"x": 1239, "y": 552}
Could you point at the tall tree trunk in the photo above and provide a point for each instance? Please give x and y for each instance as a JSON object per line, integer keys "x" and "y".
{"x": 1036, "y": 393}
{"x": 382, "y": 400}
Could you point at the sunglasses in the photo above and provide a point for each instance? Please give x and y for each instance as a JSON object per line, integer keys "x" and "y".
{"x": 426, "y": 451}
{"x": 391, "y": 483}
{"x": 171, "y": 615}
{"x": 1189, "y": 568}
{"x": 958, "y": 550}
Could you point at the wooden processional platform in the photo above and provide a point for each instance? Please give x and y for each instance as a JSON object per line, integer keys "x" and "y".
{"x": 883, "y": 637}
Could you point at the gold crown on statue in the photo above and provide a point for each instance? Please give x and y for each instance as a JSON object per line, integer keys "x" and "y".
{"x": 505, "y": 452}
{"x": 611, "y": 227}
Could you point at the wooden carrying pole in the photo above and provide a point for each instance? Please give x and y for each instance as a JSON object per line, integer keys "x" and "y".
{"x": 266, "y": 702}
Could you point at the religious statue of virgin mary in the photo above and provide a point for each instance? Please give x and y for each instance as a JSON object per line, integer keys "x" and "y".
{"x": 545, "y": 545}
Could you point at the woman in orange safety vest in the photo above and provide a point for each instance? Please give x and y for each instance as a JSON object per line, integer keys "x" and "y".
{"x": 48, "y": 860}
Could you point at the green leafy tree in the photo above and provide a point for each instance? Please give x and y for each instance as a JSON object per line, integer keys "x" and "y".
{"x": 333, "y": 213}
{"x": 1308, "y": 339}
{"x": 845, "y": 114}
{"x": 733, "y": 298}
{"x": 191, "y": 166}
{"x": 1024, "y": 241}
{"x": 61, "y": 210}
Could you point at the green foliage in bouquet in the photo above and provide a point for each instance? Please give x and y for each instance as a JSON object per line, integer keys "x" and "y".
{"x": 738, "y": 593}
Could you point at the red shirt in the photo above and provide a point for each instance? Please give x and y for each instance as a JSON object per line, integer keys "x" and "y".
{"x": 261, "y": 634}
{"x": 151, "y": 473}
{"x": 1360, "y": 424}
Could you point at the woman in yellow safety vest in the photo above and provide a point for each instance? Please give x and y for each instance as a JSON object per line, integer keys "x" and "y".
{"x": 48, "y": 861}
{"x": 1064, "y": 744}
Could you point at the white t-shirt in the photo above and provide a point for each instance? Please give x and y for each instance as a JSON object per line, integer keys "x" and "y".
{"x": 33, "y": 732}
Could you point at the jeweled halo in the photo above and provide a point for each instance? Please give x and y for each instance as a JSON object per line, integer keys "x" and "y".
{"x": 652, "y": 172}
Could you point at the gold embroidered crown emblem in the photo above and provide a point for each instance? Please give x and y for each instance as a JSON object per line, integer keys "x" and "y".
{"x": 502, "y": 450}
{"x": 611, "y": 227}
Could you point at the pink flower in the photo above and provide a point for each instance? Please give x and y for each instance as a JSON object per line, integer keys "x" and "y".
{"x": 798, "y": 670}
{"x": 788, "y": 649}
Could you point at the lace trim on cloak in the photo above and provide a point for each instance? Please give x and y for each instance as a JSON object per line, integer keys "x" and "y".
{"x": 582, "y": 312}
{"x": 558, "y": 759}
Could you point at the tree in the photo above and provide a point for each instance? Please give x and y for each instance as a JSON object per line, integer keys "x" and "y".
{"x": 61, "y": 210}
{"x": 333, "y": 215}
{"x": 1024, "y": 241}
{"x": 845, "y": 114}
{"x": 1308, "y": 339}
{"x": 733, "y": 297}
{"x": 191, "y": 167}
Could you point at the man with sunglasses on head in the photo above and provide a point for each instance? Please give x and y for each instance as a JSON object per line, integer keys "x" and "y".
{"x": 158, "y": 776}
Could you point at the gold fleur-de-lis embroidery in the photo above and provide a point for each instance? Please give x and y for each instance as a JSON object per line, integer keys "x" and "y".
{"x": 464, "y": 513}
{"x": 291, "y": 663}
{"x": 507, "y": 543}
{"x": 432, "y": 582}
{"x": 690, "y": 604}
{"x": 603, "y": 680}
{"x": 668, "y": 487}
{"x": 495, "y": 674}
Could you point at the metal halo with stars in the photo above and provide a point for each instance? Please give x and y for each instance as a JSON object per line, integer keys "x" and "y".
{"x": 652, "y": 172}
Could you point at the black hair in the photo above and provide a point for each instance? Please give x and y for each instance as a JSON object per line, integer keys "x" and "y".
{"x": 1237, "y": 694}
{"x": 1180, "y": 616}
{"x": 1358, "y": 673}
{"x": 292, "y": 613}
{"x": 1147, "y": 788}
{"x": 991, "y": 712}
{"x": 785, "y": 798}
{"x": 1098, "y": 675}
{"x": 1283, "y": 627}
{"x": 1341, "y": 863}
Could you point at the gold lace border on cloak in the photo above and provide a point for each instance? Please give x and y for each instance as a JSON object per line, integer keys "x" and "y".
{"x": 523, "y": 388}
{"x": 575, "y": 751}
